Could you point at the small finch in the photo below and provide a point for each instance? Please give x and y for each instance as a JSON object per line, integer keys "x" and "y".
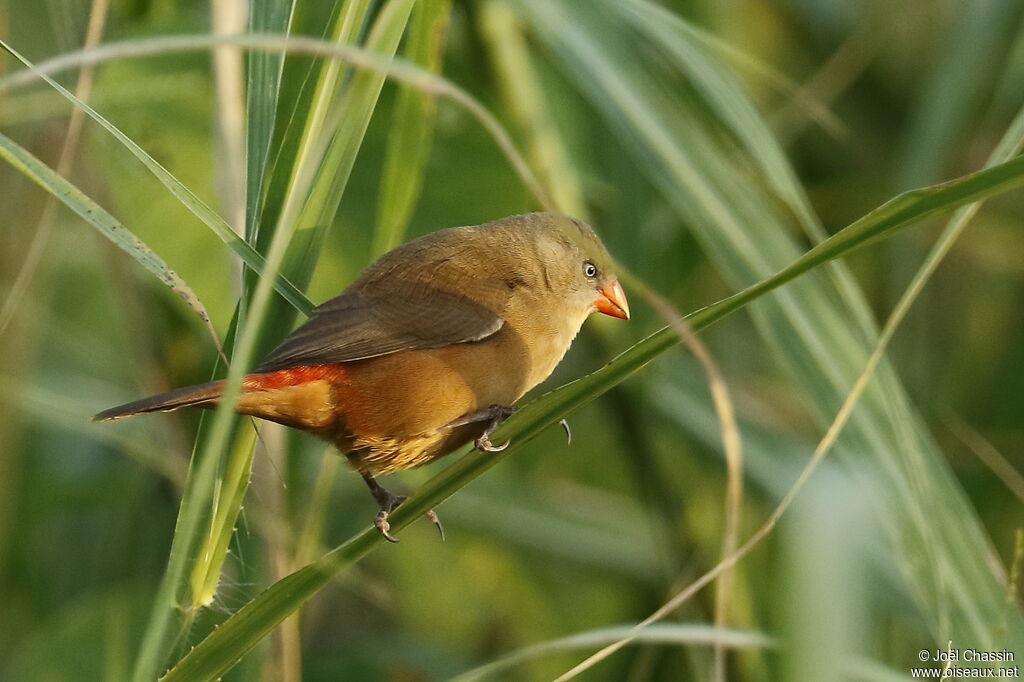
{"x": 430, "y": 347}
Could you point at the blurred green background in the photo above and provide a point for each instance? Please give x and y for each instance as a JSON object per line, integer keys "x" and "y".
{"x": 865, "y": 100}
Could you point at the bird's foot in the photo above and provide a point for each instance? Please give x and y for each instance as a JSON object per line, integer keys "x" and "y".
{"x": 493, "y": 415}
{"x": 387, "y": 502}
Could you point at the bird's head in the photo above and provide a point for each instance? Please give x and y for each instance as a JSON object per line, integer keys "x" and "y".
{"x": 578, "y": 264}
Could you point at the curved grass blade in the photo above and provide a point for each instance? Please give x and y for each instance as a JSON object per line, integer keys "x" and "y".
{"x": 395, "y": 69}
{"x": 938, "y": 543}
{"x": 682, "y": 43}
{"x": 264, "y": 84}
{"x": 217, "y": 653}
{"x": 351, "y": 120}
{"x": 186, "y": 196}
{"x": 411, "y": 129}
{"x": 527, "y": 100}
{"x": 678, "y": 634}
{"x": 673, "y": 634}
{"x": 109, "y": 227}
{"x": 329, "y": 175}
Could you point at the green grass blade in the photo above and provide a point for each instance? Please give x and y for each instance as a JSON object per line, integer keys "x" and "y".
{"x": 411, "y": 129}
{"x": 217, "y": 653}
{"x": 312, "y": 122}
{"x": 361, "y": 58}
{"x": 524, "y": 95}
{"x": 357, "y": 105}
{"x": 938, "y": 542}
{"x": 678, "y": 634}
{"x": 188, "y": 198}
{"x": 264, "y": 77}
{"x": 725, "y": 96}
{"x": 108, "y": 226}
{"x": 353, "y": 117}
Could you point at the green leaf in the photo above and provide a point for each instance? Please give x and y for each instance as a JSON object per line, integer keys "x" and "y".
{"x": 264, "y": 78}
{"x": 411, "y": 129}
{"x": 216, "y": 654}
{"x": 678, "y": 634}
{"x": 813, "y": 329}
{"x": 333, "y": 137}
{"x": 188, "y": 198}
{"x": 108, "y": 226}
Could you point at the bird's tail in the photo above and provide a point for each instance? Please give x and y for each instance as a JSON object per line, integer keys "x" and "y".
{"x": 201, "y": 395}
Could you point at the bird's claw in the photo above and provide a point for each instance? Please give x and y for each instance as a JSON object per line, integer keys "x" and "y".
{"x": 493, "y": 415}
{"x": 484, "y": 444}
{"x": 381, "y": 523}
{"x": 387, "y": 503}
{"x": 432, "y": 515}
{"x": 568, "y": 431}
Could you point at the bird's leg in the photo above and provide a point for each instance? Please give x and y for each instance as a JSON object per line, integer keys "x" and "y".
{"x": 493, "y": 415}
{"x": 387, "y": 502}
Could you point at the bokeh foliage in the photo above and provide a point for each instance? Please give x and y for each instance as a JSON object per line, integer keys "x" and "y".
{"x": 704, "y": 170}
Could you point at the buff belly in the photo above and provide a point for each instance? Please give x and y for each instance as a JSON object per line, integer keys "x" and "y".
{"x": 389, "y": 413}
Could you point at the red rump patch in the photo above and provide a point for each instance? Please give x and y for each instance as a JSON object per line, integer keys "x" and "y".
{"x": 293, "y": 376}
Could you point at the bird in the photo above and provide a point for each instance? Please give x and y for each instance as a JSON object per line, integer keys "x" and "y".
{"x": 429, "y": 348}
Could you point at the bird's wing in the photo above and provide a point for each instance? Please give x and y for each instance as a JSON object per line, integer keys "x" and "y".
{"x": 387, "y": 312}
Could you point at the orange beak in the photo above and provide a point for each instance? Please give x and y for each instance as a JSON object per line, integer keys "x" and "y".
{"x": 612, "y": 301}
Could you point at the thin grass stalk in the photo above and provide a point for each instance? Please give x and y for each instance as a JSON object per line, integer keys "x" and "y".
{"x": 222, "y": 648}
{"x": 316, "y": 511}
{"x": 732, "y": 447}
{"x": 828, "y": 82}
{"x": 989, "y": 456}
{"x": 285, "y": 664}
{"x": 229, "y": 17}
{"x": 677, "y": 634}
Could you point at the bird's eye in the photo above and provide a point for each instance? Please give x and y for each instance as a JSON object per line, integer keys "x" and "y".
{"x": 589, "y": 269}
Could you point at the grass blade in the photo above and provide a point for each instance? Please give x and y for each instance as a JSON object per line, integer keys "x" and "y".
{"x": 938, "y": 541}
{"x": 411, "y": 129}
{"x": 525, "y": 97}
{"x": 264, "y": 77}
{"x": 221, "y": 649}
{"x": 357, "y": 106}
{"x": 108, "y": 226}
{"x": 678, "y": 634}
{"x": 188, "y": 198}
{"x": 353, "y": 116}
